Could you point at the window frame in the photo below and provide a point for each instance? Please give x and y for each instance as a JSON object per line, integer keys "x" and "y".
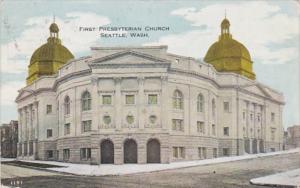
{"x": 67, "y": 126}
{"x": 201, "y": 127}
{"x": 226, "y": 106}
{"x": 176, "y": 125}
{"x": 85, "y": 124}
{"x": 225, "y": 131}
{"x": 49, "y": 131}
{"x": 67, "y": 108}
{"x": 103, "y": 99}
{"x": 49, "y": 109}
{"x": 156, "y": 100}
{"x": 200, "y": 103}
{"x": 178, "y": 100}
{"x": 85, "y": 154}
{"x": 126, "y": 99}
{"x": 66, "y": 154}
{"x": 86, "y": 101}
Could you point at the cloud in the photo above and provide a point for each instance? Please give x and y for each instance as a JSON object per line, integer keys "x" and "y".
{"x": 9, "y": 92}
{"x": 258, "y": 25}
{"x": 15, "y": 55}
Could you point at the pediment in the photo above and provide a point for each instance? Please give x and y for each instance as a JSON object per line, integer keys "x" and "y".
{"x": 24, "y": 93}
{"x": 129, "y": 58}
{"x": 257, "y": 89}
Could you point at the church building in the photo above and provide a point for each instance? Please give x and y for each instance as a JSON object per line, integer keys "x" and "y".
{"x": 145, "y": 105}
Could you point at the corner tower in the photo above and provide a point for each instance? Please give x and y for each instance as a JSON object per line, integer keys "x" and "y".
{"x": 229, "y": 55}
{"x": 48, "y": 58}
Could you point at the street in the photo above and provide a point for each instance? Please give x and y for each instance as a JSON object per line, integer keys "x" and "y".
{"x": 232, "y": 174}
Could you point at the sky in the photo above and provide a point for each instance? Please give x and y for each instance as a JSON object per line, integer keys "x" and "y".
{"x": 269, "y": 30}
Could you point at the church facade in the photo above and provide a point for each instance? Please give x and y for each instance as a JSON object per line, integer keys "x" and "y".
{"x": 145, "y": 105}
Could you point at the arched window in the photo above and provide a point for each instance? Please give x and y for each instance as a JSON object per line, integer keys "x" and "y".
{"x": 177, "y": 100}
{"x": 67, "y": 105}
{"x": 86, "y": 101}
{"x": 213, "y": 107}
{"x": 200, "y": 103}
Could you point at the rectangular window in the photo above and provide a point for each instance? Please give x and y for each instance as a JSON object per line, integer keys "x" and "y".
{"x": 226, "y": 106}
{"x": 20, "y": 149}
{"x": 181, "y": 152}
{"x": 244, "y": 115}
{"x": 178, "y": 152}
{"x": 66, "y": 154}
{"x": 49, "y": 109}
{"x": 129, "y": 99}
{"x": 215, "y": 154}
{"x": 175, "y": 153}
{"x": 85, "y": 153}
{"x": 49, "y": 154}
{"x": 67, "y": 129}
{"x": 106, "y": 99}
{"x": 213, "y": 129}
{"x": 202, "y": 153}
{"x": 273, "y": 117}
{"x": 177, "y": 125}
{"x": 258, "y": 117}
{"x": 225, "y": 151}
{"x": 200, "y": 127}
{"x": 273, "y": 132}
{"x": 152, "y": 99}
{"x": 49, "y": 133}
{"x": 226, "y": 131}
{"x": 251, "y": 117}
{"x": 86, "y": 126}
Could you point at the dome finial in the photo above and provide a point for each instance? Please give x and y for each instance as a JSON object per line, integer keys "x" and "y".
{"x": 54, "y": 29}
{"x": 225, "y": 27}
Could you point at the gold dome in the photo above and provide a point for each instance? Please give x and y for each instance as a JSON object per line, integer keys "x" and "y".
{"x": 229, "y": 55}
{"x": 227, "y": 48}
{"x": 53, "y": 50}
{"x": 47, "y": 59}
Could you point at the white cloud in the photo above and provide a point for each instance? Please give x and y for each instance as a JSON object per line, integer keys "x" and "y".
{"x": 9, "y": 92}
{"x": 258, "y": 25}
{"x": 15, "y": 55}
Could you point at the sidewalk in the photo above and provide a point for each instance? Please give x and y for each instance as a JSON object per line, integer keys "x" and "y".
{"x": 289, "y": 178}
{"x": 111, "y": 169}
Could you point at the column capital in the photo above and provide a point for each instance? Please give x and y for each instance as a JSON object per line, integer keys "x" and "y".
{"x": 94, "y": 80}
{"x": 140, "y": 79}
{"x": 36, "y": 103}
{"x": 117, "y": 80}
{"x": 164, "y": 78}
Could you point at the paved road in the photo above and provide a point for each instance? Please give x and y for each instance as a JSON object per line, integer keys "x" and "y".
{"x": 234, "y": 174}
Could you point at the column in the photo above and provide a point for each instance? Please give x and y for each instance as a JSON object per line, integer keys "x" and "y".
{"x": 118, "y": 104}
{"x": 254, "y": 120}
{"x": 95, "y": 104}
{"x": 165, "y": 104}
{"x": 141, "y": 102}
{"x": 25, "y": 124}
{"x": 19, "y": 130}
{"x": 36, "y": 120}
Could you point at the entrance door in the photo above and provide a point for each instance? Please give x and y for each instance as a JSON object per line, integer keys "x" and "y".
{"x": 153, "y": 151}
{"x": 107, "y": 152}
{"x": 130, "y": 151}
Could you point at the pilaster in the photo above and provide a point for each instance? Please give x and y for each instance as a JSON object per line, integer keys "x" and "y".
{"x": 141, "y": 103}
